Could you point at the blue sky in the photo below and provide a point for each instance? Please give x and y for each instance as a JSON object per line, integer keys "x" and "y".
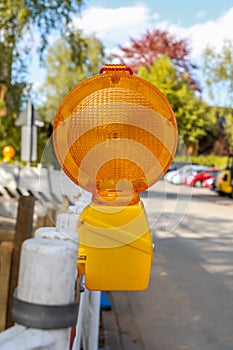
{"x": 202, "y": 22}
{"x": 183, "y": 12}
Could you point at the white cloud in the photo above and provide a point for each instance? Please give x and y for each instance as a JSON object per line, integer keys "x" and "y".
{"x": 115, "y": 26}
{"x": 211, "y": 33}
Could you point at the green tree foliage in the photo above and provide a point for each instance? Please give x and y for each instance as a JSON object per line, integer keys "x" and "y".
{"x": 189, "y": 109}
{"x": 67, "y": 67}
{"x": 10, "y": 135}
{"x": 228, "y": 126}
{"x": 218, "y": 73}
{"x": 65, "y": 70}
{"x": 164, "y": 60}
{"x": 21, "y": 22}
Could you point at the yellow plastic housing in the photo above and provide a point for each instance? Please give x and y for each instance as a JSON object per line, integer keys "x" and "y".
{"x": 115, "y": 251}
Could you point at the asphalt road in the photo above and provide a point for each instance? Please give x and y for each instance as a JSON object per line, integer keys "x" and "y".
{"x": 189, "y": 303}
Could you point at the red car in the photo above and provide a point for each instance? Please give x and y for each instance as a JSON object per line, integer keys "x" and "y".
{"x": 209, "y": 183}
{"x": 197, "y": 179}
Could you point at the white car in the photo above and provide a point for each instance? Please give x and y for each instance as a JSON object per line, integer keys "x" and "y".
{"x": 168, "y": 176}
{"x": 178, "y": 176}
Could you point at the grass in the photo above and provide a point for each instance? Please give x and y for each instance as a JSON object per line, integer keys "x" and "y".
{"x": 210, "y": 160}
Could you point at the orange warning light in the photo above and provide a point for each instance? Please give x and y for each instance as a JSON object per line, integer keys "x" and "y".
{"x": 8, "y": 153}
{"x": 115, "y": 135}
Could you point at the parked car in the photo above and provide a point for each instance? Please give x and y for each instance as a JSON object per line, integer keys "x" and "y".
{"x": 198, "y": 178}
{"x": 224, "y": 181}
{"x": 172, "y": 167}
{"x": 177, "y": 177}
{"x": 168, "y": 176}
{"x": 209, "y": 183}
{"x": 177, "y": 165}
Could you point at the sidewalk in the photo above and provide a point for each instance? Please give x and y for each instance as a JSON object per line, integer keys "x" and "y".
{"x": 119, "y": 326}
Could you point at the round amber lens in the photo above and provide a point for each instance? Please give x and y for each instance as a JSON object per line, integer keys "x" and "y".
{"x": 115, "y": 127}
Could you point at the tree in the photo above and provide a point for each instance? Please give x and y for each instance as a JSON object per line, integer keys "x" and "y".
{"x": 153, "y": 44}
{"x": 228, "y": 126}
{"x": 189, "y": 109}
{"x": 19, "y": 19}
{"x": 10, "y": 135}
{"x": 3, "y": 90}
{"x": 66, "y": 67}
{"x": 218, "y": 74}
{"x": 20, "y": 22}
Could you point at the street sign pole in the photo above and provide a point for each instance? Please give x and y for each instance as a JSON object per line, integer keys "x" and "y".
{"x": 29, "y": 120}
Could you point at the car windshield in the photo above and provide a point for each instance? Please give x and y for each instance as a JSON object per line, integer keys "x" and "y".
{"x": 212, "y": 173}
{"x": 190, "y": 170}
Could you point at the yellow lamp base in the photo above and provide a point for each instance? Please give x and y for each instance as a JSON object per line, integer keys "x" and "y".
{"x": 116, "y": 250}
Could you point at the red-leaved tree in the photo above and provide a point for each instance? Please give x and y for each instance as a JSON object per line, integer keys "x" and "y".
{"x": 153, "y": 44}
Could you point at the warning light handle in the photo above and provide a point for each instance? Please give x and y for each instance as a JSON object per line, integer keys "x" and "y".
{"x": 116, "y": 67}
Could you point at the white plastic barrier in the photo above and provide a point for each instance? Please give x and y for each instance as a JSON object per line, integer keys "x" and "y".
{"x": 47, "y": 277}
{"x": 87, "y": 328}
{"x": 52, "y": 183}
{"x": 47, "y": 284}
{"x": 23, "y": 338}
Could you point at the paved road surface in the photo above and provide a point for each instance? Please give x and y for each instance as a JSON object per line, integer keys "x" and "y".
{"x": 189, "y": 303}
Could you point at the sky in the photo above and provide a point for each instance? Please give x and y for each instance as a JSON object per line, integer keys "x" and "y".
{"x": 201, "y": 22}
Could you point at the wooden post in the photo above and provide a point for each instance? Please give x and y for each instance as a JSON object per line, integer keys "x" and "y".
{"x": 50, "y": 217}
{"x": 6, "y": 249}
{"x": 23, "y": 231}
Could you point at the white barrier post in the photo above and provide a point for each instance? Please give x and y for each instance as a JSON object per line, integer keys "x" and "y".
{"x": 94, "y": 320}
{"x": 45, "y": 296}
{"x": 87, "y": 328}
{"x": 46, "y": 280}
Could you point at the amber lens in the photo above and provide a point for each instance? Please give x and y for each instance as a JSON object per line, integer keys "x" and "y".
{"x": 108, "y": 130}
{"x": 8, "y": 152}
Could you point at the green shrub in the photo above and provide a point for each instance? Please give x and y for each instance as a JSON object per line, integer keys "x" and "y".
{"x": 210, "y": 160}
